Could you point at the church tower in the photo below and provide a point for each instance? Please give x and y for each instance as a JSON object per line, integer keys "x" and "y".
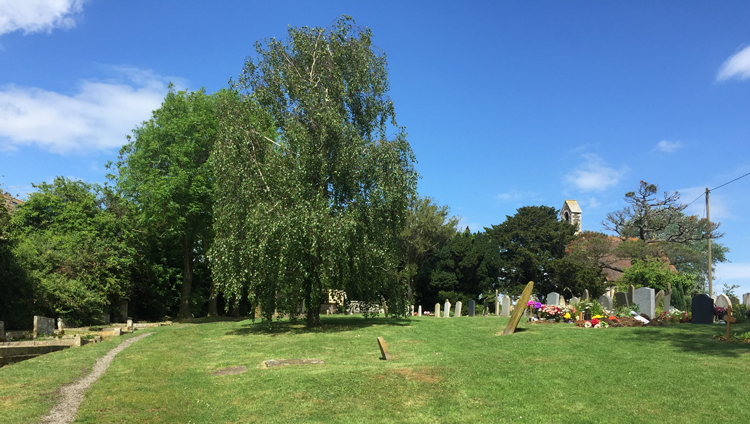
{"x": 571, "y": 213}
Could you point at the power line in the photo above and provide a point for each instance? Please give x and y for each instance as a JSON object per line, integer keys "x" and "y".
{"x": 743, "y": 176}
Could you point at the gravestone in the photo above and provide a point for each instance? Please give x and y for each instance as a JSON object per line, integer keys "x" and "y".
{"x": 606, "y": 302}
{"x": 472, "y": 308}
{"x": 43, "y": 325}
{"x": 130, "y": 322}
{"x": 621, "y": 299}
{"x": 722, "y": 301}
{"x": 419, "y": 311}
{"x": 734, "y": 300}
{"x": 384, "y": 349}
{"x": 575, "y": 300}
{"x": 458, "y": 309}
{"x": 562, "y": 302}
{"x": 437, "y": 310}
{"x": 553, "y": 299}
{"x": 2, "y": 331}
{"x": 506, "y": 306}
{"x": 447, "y": 310}
{"x": 746, "y": 299}
{"x": 518, "y": 311}
{"x": 586, "y": 294}
{"x": 644, "y": 298}
{"x": 60, "y": 325}
{"x": 497, "y": 303}
{"x": 658, "y": 298}
{"x": 667, "y": 302}
{"x": 631, "y": 291}
{"x": 117, "y": 331}
{"x": 702, "y": 308}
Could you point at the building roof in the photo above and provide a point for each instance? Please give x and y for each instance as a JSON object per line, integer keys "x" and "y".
{"x": 573, "y": 206}
{"x": 10, "y": 201}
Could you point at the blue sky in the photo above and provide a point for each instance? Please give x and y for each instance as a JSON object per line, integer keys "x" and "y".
{"x": 507, "y": 104}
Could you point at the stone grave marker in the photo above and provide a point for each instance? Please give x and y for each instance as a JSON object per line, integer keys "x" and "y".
{"x": 562, "y": 302}
{"x": 729, "y": 319}
{"x": 60, "y": 325}
{"x": 497, "y": 307}
{"x": 458, "y": 309}
{"x": 130, "y": 323}
{"x": 734, "y": 300}
{"x": 2, "y": 331}
{"x": 621, "y": 299}
{"x": 384, "y": 349}
{"x": 575, "y": 300}
{"x": 518, "y": 311}
{"x": 437, "y": 310}
{"x": 722, "y": 301}
{"x": 702, "y": 308}
{"x": 117, "y": 331}
{"x": 644, "y": 298}
{"x": 447, "y": 309}
{"x": 506, "y": 306}
{"x": 586, "y": 294}
{"x": 631, "y": 292}
{"x": 606, "y": 302}
{"x": 667, "y": 302}
{"x": 472, "y": 307}
{"x": 659, "y": 297}
{"x": 419, "y": 311}
{"x": 553, "y": 299}
{"x": 746, "y": 299}
{"x": 43, "y": 325}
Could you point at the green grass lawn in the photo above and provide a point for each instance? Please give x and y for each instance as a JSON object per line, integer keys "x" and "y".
{"x": 443, "y": 371}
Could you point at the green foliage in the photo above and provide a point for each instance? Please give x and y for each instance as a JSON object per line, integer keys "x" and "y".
{"x": 72, "y": 246}
{"x": 313, "y": 195}
{"x": 530, "y": 242}
{"x": 164, "y": 170}
{"x": 589, "y": 305}
{"x": 653, "y": 273}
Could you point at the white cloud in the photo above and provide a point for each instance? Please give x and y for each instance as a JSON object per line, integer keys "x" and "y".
{"x": 737, "y": 66}
{"x": 98, "y": 117}
{"x": 593, "y": 203}
{"x": 594, "y": 174}
{"x": 668, "y": 146}
{"x": 38, "y": 15}
{"x": 733, "y": 271}
{"x": 718, "y": 204}
{"x": 517, "y": 195}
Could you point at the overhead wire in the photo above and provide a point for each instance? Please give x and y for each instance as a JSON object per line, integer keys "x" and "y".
{"x": 719, "y": 186}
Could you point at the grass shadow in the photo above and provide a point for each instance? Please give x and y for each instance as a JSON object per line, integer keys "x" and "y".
{"x": 696, "y": 338}
{"x": 328, "y": 325}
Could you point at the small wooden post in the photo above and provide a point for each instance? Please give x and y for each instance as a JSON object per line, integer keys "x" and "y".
{"x": 384, "y": 349}
{"x": 729, "y": 319}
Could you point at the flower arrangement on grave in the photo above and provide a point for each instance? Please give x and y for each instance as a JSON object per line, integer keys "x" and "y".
{"x": 719, "y": 312}
{"x": 550, "y": 312}
{"x": 674, "y": 316}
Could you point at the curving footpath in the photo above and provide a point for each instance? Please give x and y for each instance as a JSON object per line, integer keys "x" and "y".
{"x": 72, "y": 395}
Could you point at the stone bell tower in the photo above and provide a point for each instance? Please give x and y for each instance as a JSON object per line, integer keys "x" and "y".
{"x": 571, "y": 213}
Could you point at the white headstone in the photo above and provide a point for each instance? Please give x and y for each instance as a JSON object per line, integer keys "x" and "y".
{"x": 447, "y": 309}
{"x": 746, "y": 299}
{"x": 553, "y": 299}
{"x": 644, "y": 298}
{"x": 668, "y": 302}
{"x": 722, "y": 301}
{"x": 506, "y": 306}
{"x": 606, "y": 302}
{"x": 574, "y": 300}
{"x": 419, "y": 311}
{"x": 437, "y": 310}
{"x": 458, "y": 309}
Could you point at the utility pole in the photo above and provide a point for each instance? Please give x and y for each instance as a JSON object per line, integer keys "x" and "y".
{"x": 708, "y": 231}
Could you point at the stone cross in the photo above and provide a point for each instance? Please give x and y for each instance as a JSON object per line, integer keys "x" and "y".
{"x": 447, "y": 309}
{"x": 437, "y": 310}
{"x": 458, "y": 309}
{"x": 384, "y": 349}
{"x": 729, "y": 319}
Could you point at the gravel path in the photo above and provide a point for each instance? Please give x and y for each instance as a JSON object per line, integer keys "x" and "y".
{"x": 72, "y": 394}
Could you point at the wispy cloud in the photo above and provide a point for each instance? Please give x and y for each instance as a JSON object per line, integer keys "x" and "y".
{"x": 733, "y": 271}
{"x": 719, "y": 208}
{"x": 518, "y": 195}
{"x": 594, "y": 174}
{"x": 593, "y": 203}
{"x": 737, "y": 66}
{"x": 668, "y": 146}
{"x": 98, "y": 117}
{"x": 32, "y": 16}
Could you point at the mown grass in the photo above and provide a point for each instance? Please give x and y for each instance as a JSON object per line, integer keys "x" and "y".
{"x": 443, "y": 371}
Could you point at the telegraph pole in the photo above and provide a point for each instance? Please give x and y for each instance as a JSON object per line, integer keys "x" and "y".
{"x": 708, "y": 231}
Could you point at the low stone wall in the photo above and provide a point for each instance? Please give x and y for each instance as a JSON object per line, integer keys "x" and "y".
{"x": 11, "y": 352}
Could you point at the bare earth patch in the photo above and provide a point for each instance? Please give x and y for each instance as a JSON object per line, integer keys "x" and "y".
{"x": 281, "y": 362}
{"x": 72, "y": 394}
{"x": 231, "y": 370}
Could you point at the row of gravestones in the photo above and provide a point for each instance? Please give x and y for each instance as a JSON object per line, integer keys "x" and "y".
{"x": 472, "y": 308}
{"x": 644, "y": 297}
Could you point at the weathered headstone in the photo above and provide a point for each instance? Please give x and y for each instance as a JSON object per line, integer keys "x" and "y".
{"x": 702, "y": 308}
{"x": 472, "y": 307}
{"x": 606, "y": 302}
{"x": 658, "y": 298}
{"x": 384, "y": 349}
{"x": 734, "y": 300}
{"x": 43, "y": 325}
{"x": 518, "y": 311}
{"x": 586, "y": 294}
{"x": 631, "y": 292}
{"x": 117, "y": 331}
{"x": 130, "y": 323}
{"x": 746, "y": 299}
{"x": 722, "y": 301}
{"x": 553, "y": 299}
{"x": 437, "y": 310}
{"x": 644, "y": 298}
{"x": 575, "y": 300}
{"x": 458, "y": 309}
{"x": 506, "y": 306}
{"x": 447, "y": 309}
{"x": 621, "y": 299}
{"x": 562, "y": 302}
{"x": 667, "y": 302}
{"x": 60, "y": 325}
{"x": 419, "y": 311}
{"x": 2, "y": 331}
{"x": 497, "y": 303}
